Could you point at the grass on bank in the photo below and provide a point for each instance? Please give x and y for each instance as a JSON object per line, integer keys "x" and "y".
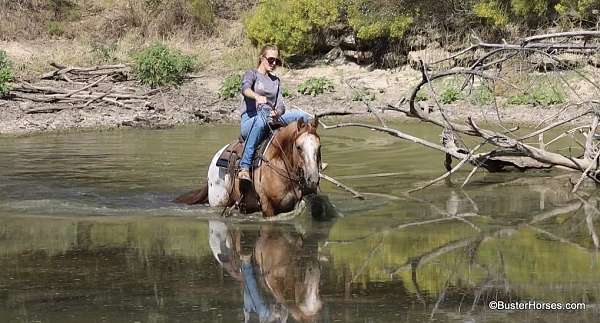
{"x": 6, "y": 74}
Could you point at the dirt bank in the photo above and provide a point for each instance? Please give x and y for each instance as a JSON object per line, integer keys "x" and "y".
{"x": 196, "y": 102}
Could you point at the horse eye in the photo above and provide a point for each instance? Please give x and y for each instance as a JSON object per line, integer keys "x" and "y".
{"x": 299, "y": 148}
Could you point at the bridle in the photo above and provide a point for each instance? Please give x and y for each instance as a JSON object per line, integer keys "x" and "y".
{"x": 294, "y": 174}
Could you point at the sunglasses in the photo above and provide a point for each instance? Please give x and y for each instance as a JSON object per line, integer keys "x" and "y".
{"x": 273, "y": 61}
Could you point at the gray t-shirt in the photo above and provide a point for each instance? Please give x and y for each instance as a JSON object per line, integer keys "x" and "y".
{"x": 267, "y": 85}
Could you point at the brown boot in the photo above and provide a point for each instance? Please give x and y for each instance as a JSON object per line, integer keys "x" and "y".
{"x": 245, "y": 181}
{"x": 244, "y": 175}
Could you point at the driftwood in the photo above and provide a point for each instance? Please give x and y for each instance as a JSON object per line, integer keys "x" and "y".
{"x": 97, "y": 85}
{"x": 69, "y": 73}
{"x": 509, "y": 150}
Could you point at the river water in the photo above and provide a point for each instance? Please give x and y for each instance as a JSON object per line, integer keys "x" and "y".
{"x": 88, "y": 234}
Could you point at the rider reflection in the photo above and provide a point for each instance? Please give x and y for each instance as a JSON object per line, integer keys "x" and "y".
{"x": 254, "y": 301}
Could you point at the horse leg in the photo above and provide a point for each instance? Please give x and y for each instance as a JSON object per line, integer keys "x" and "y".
{"x": 267, "y": 207}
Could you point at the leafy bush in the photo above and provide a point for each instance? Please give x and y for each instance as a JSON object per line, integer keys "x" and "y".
{"x": 6, "y": 74}
{"x": 301, "y": 26}
{"x": 450, "y": 94}
{"x": 315, "y": 86}
{"x": 293, "y": 25}
{"x": 231, "y": 86}
{"x": 481, "y": 95}
{"x": 158, "y": 65}
{"x": 491, "y": 11}
{"x": 540, "y": 95}
{"x": 371, "y": 19}
{"x": 578, "y": 9}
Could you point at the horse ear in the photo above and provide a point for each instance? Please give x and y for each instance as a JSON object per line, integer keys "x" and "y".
{"x": 315, "y": 122}
{"x": 300, "y": 123}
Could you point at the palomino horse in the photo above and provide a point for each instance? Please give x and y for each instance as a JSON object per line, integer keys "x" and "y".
{"x": 289, "y": 171}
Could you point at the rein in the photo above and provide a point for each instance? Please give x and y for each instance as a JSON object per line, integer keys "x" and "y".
{"x": 297, "y": 179}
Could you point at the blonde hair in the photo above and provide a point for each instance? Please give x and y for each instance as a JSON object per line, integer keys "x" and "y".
{"x": 264, "y": 49}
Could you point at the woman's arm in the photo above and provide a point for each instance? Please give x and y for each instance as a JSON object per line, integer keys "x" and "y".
{"x": 247, "y": 82}
{"x": 280, "y": 108}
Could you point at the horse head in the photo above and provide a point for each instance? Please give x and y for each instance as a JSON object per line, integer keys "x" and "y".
{"x": 307, "y": 154}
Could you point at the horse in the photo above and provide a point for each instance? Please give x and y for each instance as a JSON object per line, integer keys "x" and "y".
{"x": 289, "y": 171}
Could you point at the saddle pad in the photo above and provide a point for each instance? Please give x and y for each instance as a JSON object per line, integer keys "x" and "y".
{"x": 231, "y": 154}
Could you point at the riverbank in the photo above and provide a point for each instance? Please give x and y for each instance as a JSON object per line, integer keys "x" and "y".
{"x": 197, "y": 102}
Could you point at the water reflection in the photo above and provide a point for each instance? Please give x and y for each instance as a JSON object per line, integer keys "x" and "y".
{"x": 277, "y": 275}
{"x": 444, "y": 260}
{"x": 104, "y": 244}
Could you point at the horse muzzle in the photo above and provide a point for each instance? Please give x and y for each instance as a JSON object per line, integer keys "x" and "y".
{"x": 311, "y": 185}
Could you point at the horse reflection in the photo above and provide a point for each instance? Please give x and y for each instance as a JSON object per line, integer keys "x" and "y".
{"x": 279, "y": 276}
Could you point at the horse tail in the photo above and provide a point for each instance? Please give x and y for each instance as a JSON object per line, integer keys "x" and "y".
{"x": 194, "y": 197}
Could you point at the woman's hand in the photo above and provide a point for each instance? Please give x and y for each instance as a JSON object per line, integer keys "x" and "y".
{"x": 260, "y": 99}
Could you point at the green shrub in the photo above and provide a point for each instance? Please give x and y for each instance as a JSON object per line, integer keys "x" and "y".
{"x": 293, "y": 25}
{"x": 56, "y": 28}
{"x": 286, "y": 93}
{"x": 539, "y": 95}
{"x": 315, "y": 86}
{"x": 450, "y": 94}
{"x": 579, "y": 9}
{"x": 231, "y": 86}
{"x": 491, "y": 11}
{"x": 526, "y": 8}
{"x": 158, "y": 65}
{"x": 481, "y": 95}
{"x": 6, "y": 74}
{"x": 371, "y": 19}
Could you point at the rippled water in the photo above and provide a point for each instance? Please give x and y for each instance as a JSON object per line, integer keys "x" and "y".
{"x": 88, "y": 234}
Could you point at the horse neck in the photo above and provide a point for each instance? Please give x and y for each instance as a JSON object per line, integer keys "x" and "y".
{"x": 282, "y": 147}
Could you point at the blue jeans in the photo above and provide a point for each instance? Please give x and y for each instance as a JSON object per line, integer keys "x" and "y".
{"x": 255, "y": 128}
{"x": 253, "y": 301}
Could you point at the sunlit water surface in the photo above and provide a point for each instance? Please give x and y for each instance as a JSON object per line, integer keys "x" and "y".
{"x": 88, "y": 233}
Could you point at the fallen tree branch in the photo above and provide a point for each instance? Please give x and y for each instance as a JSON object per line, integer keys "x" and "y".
{"x": 337, "y": 183}
{"x": 448, "y": 173}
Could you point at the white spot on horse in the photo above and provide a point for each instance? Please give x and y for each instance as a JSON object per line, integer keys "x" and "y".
{"x": 219, "y": 182}
{"x": 310, "y": 149}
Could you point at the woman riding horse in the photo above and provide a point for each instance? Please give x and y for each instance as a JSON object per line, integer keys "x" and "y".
{"x": 262, "y": 101}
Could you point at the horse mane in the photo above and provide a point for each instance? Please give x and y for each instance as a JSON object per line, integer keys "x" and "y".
{"x": 286, "y": 136}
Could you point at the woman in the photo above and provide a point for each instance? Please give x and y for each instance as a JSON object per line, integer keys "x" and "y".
{"x": 262, "y": 100}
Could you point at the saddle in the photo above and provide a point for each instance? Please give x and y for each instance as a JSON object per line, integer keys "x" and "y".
{"x": 231, "y": 156}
